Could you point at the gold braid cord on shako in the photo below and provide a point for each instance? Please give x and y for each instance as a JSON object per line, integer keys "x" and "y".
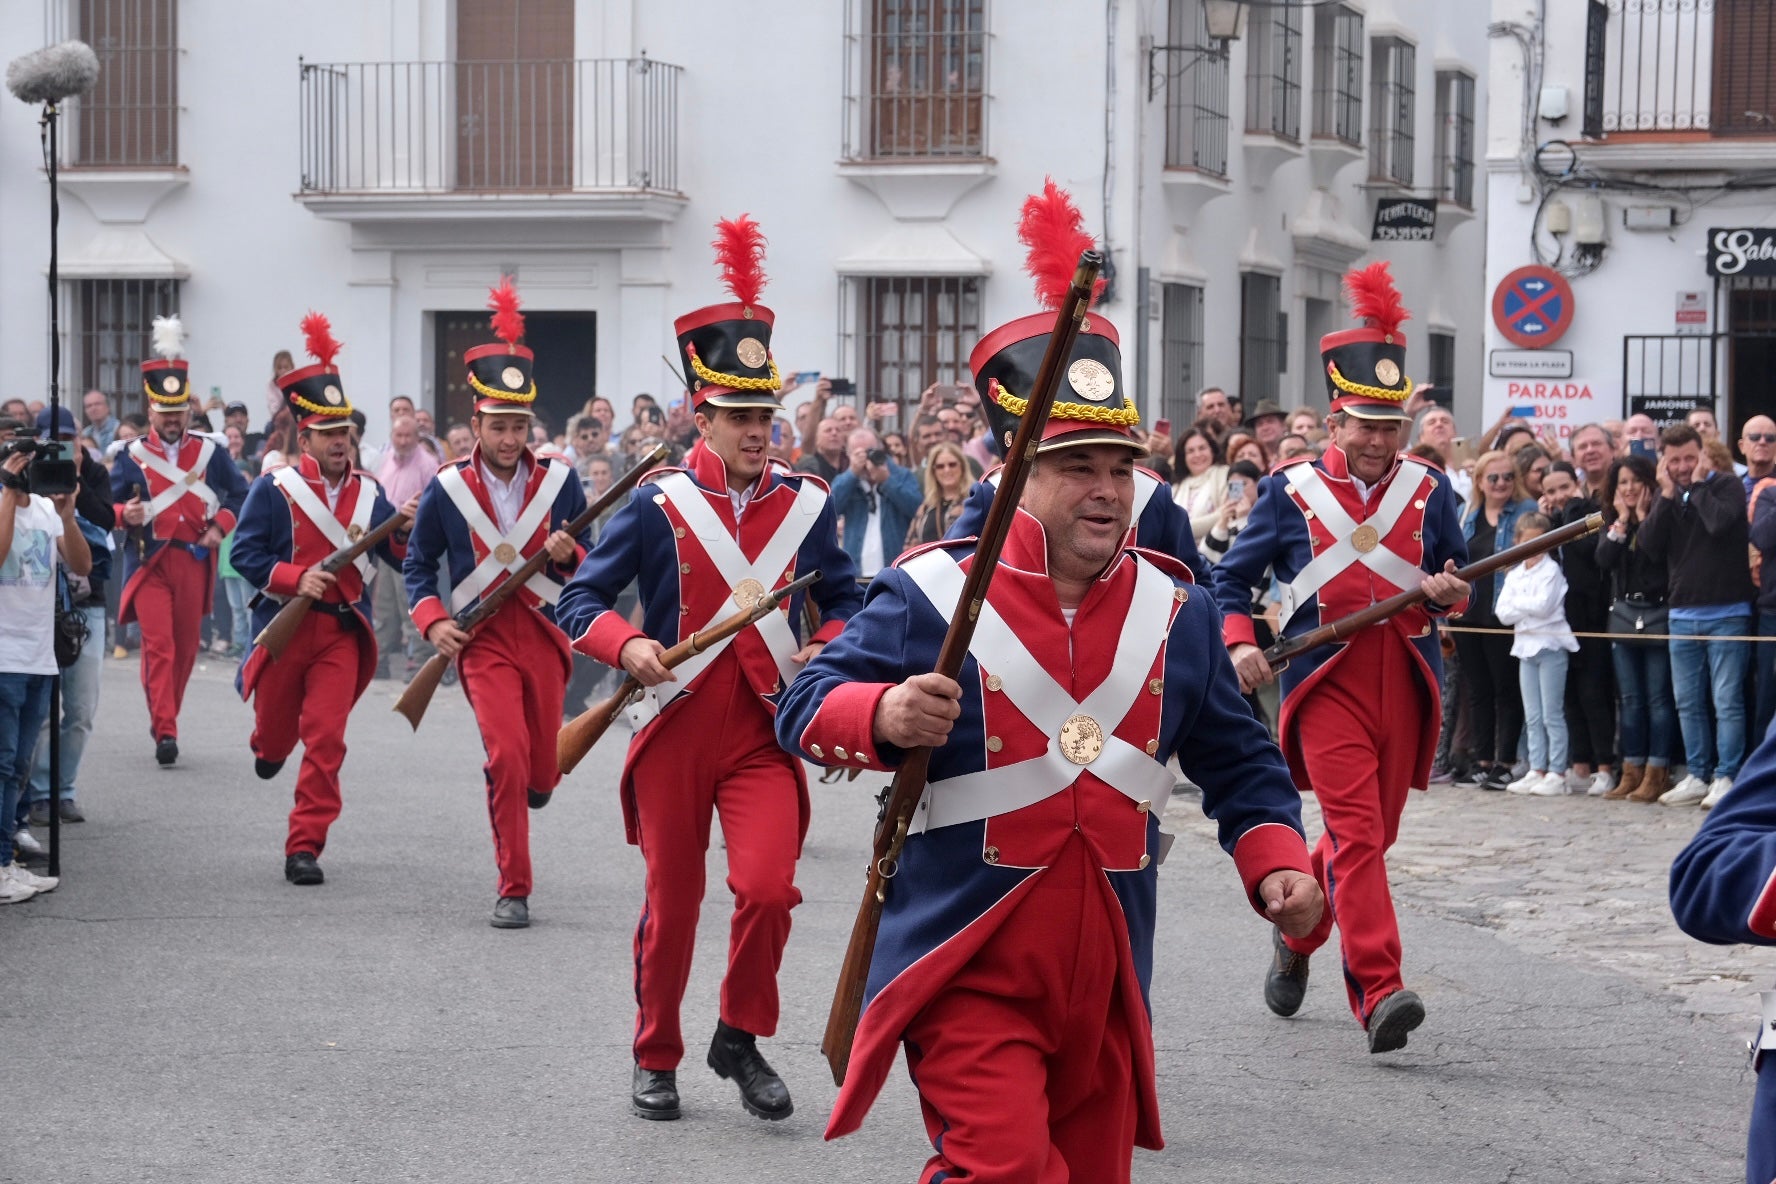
{"x": 1122, "y": 417}
{"x": 738, "y": 382}
{"x": 489, "y": 392}
{"x": 340, "y": 410}
{"x": 1369, "y": 392}
{"x": 177, "y": 396}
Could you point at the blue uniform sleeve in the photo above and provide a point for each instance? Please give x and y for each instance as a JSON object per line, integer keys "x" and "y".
{"x": 262, "y": 536}
{"x": 127, "y": 480}
{"x": 225, "y": 479}
{"x": 836, "y": 593}
{"x": 610, "y": 565}
{"x": 974, "y": 512}
{"x": 835, "y": 695}
{"x": 1248, "y": 562}
{"x": 1721, "y": 888}
{"x": 426, "y": 546}
{"x": 1165, "y": 527}
{"x": 388, "y": 550}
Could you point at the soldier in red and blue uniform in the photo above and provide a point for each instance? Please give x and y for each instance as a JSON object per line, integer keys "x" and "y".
{"x": 1033, "y": 857}
{"x": 484, "y": 516}
{"x": 706, "y": 541}
{"x": 1359, "y": 718}
{"x": 1723, "y": 890}
{"x": 179, "y": 495}
{"x": 294, "y": 519}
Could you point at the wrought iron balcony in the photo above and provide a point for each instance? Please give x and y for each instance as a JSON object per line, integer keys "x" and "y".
{"x": 1686, "y": 66}
{"x": 483, "y": 128}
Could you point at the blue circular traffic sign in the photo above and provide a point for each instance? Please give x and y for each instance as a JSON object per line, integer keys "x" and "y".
{"x": 1533, "y": 307}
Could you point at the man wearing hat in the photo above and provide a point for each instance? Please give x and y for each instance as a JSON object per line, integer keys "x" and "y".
{"x": 1268, "y": 424}
{"x": 1016, "y": 941}
{"x": 705, "y": 542}
{"x": 485, "y": 515}
{"x": 179, "y": 493}
{"x": 1359, "y": 718}
{"x": 293, "y": 519}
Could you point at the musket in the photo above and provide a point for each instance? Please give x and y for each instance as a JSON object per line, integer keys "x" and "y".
{"x": 280, "y": 631}
{"x": 418, "y": 695}
{"x": 1279, "y": 654}
{"x": 909, "y": 781}
{"x": 576, "y": 739}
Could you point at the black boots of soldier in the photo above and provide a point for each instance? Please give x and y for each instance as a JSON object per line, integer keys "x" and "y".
{"x": 1392, "y": 1019}
{"x": 302, "y": 869}
{"x": 734, "y": 1056}
{"x": 166, "y": 751}
{"x": 653, "y": 1094}
{"x": 1285, "y": 984}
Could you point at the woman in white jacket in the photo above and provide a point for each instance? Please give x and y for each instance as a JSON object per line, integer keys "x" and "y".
{"x": 1532, "y": 600}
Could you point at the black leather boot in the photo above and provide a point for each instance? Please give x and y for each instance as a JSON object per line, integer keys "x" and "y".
{"x": 166, "y": 750}
{"x": 653, "y": 1094}
{"x": 1392, "y": 1019}
{"x": 302, "y": 869}
{"x": 734, "y": 1056}
{"x": 265, "y": 769}
{"x": 1285, "y": 984}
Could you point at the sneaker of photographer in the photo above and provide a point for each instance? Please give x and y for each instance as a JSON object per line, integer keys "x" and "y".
{"x": 1687, "y": 792}
{"x": 33, "y": 881}
{"x": 13, "y": 890}
{"x": 26, "y": 844}
{"x": 1717, "y": 789}
{"x": 1600, "y": 784}
{"x": 1525, "y": 783}
{"x": 1550, "y": 785}
{"x": 1577, "y": 782}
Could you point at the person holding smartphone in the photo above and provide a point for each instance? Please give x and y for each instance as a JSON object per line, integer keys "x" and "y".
{"x": 1236, "y": 508}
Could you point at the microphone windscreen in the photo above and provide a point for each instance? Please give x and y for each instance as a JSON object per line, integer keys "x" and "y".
{"x": 53, "y": 73}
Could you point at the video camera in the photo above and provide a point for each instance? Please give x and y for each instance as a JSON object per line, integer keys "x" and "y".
{"x": 52, "y": 469}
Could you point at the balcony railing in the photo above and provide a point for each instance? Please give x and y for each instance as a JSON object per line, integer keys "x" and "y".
{"x": 489, "y": 127}
{"x": 1683, "y": 66}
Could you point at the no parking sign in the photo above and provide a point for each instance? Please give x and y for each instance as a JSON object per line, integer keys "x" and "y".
{"x": 1533, "y": 307}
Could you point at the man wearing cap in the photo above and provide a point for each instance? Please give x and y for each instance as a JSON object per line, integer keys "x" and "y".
{"x": 1268, "y": 424}
{"x": 1359, "y": 719}
{"x": 706, "y": 542}
{"x": 1016, "y": 940}
{"x": 179, "y": 494}
{"x": 293, "y": 519}
{"x": 485, "y": 515}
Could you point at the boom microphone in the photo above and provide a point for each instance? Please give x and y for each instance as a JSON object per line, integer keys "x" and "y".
{"x": 53, "y": 73}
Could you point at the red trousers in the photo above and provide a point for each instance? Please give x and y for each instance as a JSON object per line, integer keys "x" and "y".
{"x": 306, "y": 695}
{"x": 514, "y": 675}
{"x": 716, "y": 752}
{"x": 1023, "y": 1061}
{"x": 1360, "y": 729}
{"x": 169, "y": 604}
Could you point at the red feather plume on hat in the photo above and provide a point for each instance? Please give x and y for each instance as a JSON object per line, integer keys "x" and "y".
{"x": 508, "y": 322}
{"x": 1374, "y": 299}
{"x": 740, "y": 253}
{"x": 318, "y": 339}
{"x": 1053, "y": 231}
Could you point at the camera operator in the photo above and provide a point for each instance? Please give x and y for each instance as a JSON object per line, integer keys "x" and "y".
{"x": 96, "y": 517}
{"x": 875, "y": 500}
{"x": 29, "y": 525}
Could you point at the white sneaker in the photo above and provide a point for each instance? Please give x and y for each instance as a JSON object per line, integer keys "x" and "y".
{"x": 27, "y": 842}
{"x": 12, "y": 889}
{"x": 1524, "y": 783}
{"x": 32, "y": 880}
{"x": 1552, "y": 785}
{"x": 1687, "y": 792}
{"x": 1577, "y": 782}
{"x": 1600, "y": 784}
{"x": 1717, "y": 789}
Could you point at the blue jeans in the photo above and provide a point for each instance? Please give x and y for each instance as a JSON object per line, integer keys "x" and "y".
{"x": 80, "y": 706}
{"x": 239, "y": 592}
{"x": 1649, "y": 719}
{"x": 24, "y": 702}
{"x": 1542, "y": 679}
{"x": 1699, "y": 669}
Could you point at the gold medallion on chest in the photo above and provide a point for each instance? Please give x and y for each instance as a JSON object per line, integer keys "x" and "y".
{"x": 1365, "y": 538}
{"x": 506, "y": 554}
{"x": 748, "y": 593}
{"x": 1082, "y": 739}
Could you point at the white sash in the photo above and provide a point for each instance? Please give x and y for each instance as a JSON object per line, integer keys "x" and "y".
{"x": 1146, "y": 485}
{"x": 180, "y": 481}
{"x": 1333, "y": 518}
{"x": 1046, "y": 704}
{"x": 483, "y": 528}
{"x": 315, "y": 509}
{"x": 733, "y": 567}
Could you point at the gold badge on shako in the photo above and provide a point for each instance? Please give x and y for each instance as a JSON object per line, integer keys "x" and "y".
{"x": 513, "y": 378}
{"x": 1387, "y": 372}
{"x": 1092, "y": 379}
{"x": 751, "y": 352}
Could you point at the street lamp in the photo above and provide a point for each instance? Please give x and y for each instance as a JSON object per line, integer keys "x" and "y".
{"x": 1226, "y": 21}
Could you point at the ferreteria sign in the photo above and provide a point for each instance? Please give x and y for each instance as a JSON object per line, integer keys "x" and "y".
{"x": 1742, "y": 252}
{"x": 1404, "y": 220}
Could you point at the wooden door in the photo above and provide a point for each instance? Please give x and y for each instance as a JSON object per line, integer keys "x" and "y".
{"x": 514, "y": 94}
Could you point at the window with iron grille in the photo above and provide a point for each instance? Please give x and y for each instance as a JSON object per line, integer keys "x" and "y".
{"x": 131, "y": 116}
{"x": 1196, "y": 93}
{"x": 1455, "y": 137}
{"x": 108, "y": 324}
{"x": 916, "y": 79}
{"x": 1273, "y": 72}
{"x": 908, "y": 332}
{"x": 1443, "y": 367}
{"x": 1338, "y": 73}
{"x": 1394, "y": 108}
{"x": 1262, "y": 337}
{"x": 1181, "y": 354}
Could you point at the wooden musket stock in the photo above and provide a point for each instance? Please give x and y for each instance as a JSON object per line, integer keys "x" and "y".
{"x": 418, "y": 695}
{"x": 909, "y": 781}
{"x": 1279, "y": 654}
{"x": 576, "y": 739}
{"x": 280, "y": 631}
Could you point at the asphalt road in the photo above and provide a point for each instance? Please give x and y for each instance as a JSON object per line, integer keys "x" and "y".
{"x": 177, "y": 1012}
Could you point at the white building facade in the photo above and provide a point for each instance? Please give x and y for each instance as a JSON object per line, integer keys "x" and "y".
{"x": 385, "y": 163}
{"x": 1632, "y": 148}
